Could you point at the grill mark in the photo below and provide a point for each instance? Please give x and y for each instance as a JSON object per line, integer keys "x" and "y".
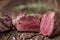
{"x": 4, "y": 24}
{"x": 3, "y": 28}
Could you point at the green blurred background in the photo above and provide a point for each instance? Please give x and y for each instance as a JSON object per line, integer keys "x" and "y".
{"x": 13, "y": 7}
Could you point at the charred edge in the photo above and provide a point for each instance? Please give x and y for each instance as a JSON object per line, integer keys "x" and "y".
{"x": 4, "y": 24}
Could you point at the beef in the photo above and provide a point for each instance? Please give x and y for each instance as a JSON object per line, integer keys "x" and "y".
{"x": 50, "y": 24}
{"x": 18, "y": 18}
{"x": 56, "y": 31}
{"x": 29, "y": 23}
{"x": 5, "y": 23}
{"x": 47, "y": 23}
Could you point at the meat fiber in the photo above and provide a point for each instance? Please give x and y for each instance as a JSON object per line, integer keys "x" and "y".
{"x": 56, "y": 30}
{"x": 47, "y": 23}
{"x": 5, "y": 23}
{"x": 50, "y": 24}
{"x": 29, "y": 23}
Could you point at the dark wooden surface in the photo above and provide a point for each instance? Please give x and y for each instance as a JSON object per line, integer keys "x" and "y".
{"x": 15, "y": 35}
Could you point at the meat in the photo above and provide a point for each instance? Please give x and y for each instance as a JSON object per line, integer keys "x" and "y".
{"x": 50, "y": 24}
{"x": 28, "y": 23}
{"x": 18, "y": 18}
{"x": 5, "y": 23}
{"x": 47, "y": 23}
{"x": 56, "y": 31}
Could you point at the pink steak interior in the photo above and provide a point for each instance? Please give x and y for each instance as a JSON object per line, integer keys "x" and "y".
{"x": 28, "y": 24}
{"x": 47, "y": 23}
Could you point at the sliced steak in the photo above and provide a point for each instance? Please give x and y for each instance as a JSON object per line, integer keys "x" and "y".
{"x": 50, "y": 24}
{"x": 5, "y": 23}
{"x": 28, "y": 23}
{"x": 56, "y": 30}
{"x": 47, "y": 23}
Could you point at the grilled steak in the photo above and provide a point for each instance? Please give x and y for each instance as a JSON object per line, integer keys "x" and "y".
{"x": 50, "y": 24}
{"x": 5, "y": 23}
{"x": 28, "y": 23}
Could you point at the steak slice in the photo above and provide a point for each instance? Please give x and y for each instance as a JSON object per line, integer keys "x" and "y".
{"x": 47, "y": 24}
{"x": 56, "y": 30}
{"x": 5, "y": 23}
{"x": 29, "y": 23}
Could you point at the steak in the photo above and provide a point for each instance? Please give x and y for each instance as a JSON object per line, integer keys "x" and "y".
{"x": 50, "y": 24}
{"x": 28, "y": 23}
{"x": 47, "y": 23}
{"x": 5, "y": 23}
{"x": 56, "y": 31}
